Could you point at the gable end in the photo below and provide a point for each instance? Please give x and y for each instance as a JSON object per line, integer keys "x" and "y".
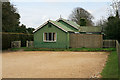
{"x": 47, "y": 23}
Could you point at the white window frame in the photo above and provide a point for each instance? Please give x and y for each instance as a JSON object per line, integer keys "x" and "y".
{"x": 51, "y": 36}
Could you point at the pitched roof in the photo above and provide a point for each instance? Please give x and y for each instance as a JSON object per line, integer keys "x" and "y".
{"x": 82, "y": 28}
{"x": 62, "y": 26}
{"x": 73, "y": 24}
{"x": 90, "y": 29}
{"x": 57, "y": 24}
{"x": 66, "y": 29}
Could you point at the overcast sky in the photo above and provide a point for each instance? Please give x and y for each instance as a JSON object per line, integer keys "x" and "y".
{"x": 35, "y": 12}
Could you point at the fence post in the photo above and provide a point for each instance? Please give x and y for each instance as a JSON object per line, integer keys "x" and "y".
{"x": 26, "y": 43}
{"x": 29, "y": 44}
{"x": 118, "y": 52}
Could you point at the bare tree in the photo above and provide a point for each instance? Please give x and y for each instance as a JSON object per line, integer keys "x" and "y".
{"x": 80, "y": 13}
{"x": 114, "y": 10}
{"x": 115, "y": 7}
{"x": 100, "y": 22}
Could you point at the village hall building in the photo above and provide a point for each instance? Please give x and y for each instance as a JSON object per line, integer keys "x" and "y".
{"x": 55, "y": 34}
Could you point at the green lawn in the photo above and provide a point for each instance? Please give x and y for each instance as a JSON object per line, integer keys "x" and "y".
{"x": 71, "y": 49}
{"x": 111, "y": 68}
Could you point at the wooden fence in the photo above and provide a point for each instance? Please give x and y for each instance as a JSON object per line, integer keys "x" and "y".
{"x": 86, "y": 40}
{"x": 113, "y": 44}
{"x": 109, "y": 43}
{"x": 118, "y": 51}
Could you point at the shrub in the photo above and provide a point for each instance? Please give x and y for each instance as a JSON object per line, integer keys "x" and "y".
{"x": 7, "y": 38}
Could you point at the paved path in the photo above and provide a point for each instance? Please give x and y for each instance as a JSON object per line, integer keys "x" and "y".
{"x": 44, "y": 64}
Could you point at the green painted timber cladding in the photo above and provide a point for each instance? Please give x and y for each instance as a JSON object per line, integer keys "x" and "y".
{"x": 62, "y": 38}
{"x": 67, "y": 25}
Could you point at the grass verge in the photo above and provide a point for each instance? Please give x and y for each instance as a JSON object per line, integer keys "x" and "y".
{"x": 70, "y": 49}
{"x": 111, "y": 69}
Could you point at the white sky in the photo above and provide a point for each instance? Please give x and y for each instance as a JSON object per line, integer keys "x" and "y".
{"x": 35, "y": 12}
{"x": 61, "y": 0}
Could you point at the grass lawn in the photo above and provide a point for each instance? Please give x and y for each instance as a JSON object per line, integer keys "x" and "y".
{"x": 111, "y": 69}
{"x": 70, "y": 49}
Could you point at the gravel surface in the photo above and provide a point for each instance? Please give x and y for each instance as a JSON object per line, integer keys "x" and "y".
{"x": 49, "y": 64}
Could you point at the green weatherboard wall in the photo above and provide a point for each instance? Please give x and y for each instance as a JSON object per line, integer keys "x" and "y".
{"x": 62, "y": 40}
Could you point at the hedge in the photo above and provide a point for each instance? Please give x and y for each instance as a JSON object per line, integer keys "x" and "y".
{"x": 7, "y": 38}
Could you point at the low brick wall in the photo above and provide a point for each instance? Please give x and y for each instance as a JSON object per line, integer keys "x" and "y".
{"x": 86, "y": 40}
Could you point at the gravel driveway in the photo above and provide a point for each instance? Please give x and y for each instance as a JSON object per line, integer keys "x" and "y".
{"x": 49, "y": 64}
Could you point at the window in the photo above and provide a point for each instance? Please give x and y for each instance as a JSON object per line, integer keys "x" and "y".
{"x": 49, "y": 37}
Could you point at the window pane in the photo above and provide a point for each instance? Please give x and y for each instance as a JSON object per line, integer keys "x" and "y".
{"x": 53, "y": 36}
{"x": 45, "y": 36}
{"x": 50, "y": 36}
